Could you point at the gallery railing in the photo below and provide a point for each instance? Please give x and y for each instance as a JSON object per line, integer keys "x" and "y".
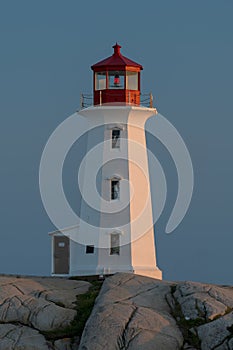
{"x": 86, "y": 100}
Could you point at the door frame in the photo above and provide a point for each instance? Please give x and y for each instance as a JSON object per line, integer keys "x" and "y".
{"x": 59, "y": 234}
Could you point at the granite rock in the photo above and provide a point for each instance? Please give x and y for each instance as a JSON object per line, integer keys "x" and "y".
{"x": 135, "y": 312}
{"x": 131, "y": 312}
{"x": 31, "y": 306}
{"x": 21, "y": 337}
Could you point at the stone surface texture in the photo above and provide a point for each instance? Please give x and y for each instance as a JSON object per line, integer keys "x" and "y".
{"x": 30, "y": 306}
{"x": 135, "y": 312}
{"x": 131, "y": 312}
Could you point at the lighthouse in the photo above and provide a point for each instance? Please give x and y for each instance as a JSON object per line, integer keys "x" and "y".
{"x": 116, "y": 229}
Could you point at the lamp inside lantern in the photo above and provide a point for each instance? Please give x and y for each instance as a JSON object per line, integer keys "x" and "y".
{"x": 116, "y": 80}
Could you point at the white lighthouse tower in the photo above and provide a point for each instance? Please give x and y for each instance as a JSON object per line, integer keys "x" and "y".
{"x": 116, "y": 231}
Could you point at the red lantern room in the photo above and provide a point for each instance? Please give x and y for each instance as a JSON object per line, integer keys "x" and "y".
{"x": 116, "y": 80}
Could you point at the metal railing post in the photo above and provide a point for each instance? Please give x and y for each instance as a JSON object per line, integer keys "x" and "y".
{"x": 81, "y": 101}
{"x": 100, "y": 97}
{"x": 151, "y": 100}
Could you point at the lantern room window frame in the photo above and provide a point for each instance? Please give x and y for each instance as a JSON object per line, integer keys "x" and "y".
{"x": 114, "y": 75}
{"x": 102, "y": 80}
{"x": 129, "y": 83}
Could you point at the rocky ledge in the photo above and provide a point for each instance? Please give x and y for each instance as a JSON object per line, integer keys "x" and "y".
{"x": 32, "y": 307}
{"x": 134, "y": 312}
{"x": 131, "y": 312}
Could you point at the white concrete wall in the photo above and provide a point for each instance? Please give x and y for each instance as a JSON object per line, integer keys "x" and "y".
{"x": 138, "y": 256}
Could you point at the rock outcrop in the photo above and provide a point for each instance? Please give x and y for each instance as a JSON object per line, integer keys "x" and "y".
{"x": 131, "y": 312}
{"x": 31, "y": 306}
{"x": 134, "y": 312}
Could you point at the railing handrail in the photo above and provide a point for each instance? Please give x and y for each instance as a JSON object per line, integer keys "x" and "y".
{"x": 86, "y": 100}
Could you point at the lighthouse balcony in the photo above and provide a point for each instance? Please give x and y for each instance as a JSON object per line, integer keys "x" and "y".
{"x": 119, "y": 97}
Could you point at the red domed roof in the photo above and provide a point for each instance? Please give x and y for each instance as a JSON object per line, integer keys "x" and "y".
{"x": 116, "y": 60}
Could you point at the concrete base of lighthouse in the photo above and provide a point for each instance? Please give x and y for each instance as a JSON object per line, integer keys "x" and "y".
{"x": 69, "y": 259}
{"x": 153, "y": 272}
{"x": 150, "y": 272}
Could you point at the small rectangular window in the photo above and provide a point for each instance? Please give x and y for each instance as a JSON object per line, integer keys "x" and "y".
{"x": 116, "y": 80}
{"x": 89, "y": 249}
{"x": 115, "y": 189}
{"x": 115, "y": 244}
{"x": 116, "y": 138}
{"x": 132, "y": 80}
{"x": 100, "y": 81}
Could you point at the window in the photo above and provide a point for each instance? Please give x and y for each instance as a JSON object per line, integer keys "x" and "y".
{"x": 100, "y": 81}
{"x": 132, "y": 80}
{"x": 115, "y": 189}
{"x": 116, "y": 80}
{"x": 116, "y": 138}
{"x": 115, "y": 244}
{"x": 89, "y": 249}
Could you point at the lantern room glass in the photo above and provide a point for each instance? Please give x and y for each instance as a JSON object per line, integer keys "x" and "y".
{"x": 100, "y": 81}
{"x": 116, "y": 80}
{"x": 131, "y": 80}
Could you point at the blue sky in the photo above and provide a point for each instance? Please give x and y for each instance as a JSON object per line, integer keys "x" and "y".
{"x": 186, "y": 48}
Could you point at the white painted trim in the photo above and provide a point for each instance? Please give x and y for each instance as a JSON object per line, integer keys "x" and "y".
{"x": 116, "y": 127}
{"x": 114, "y": 177}
{"x": 116, "y": 231}
{"x": 120, "y": 107}
{"x": 61, "y": 275}
{"x": 52, "y": 255}
{"x": 63, "y": 230}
